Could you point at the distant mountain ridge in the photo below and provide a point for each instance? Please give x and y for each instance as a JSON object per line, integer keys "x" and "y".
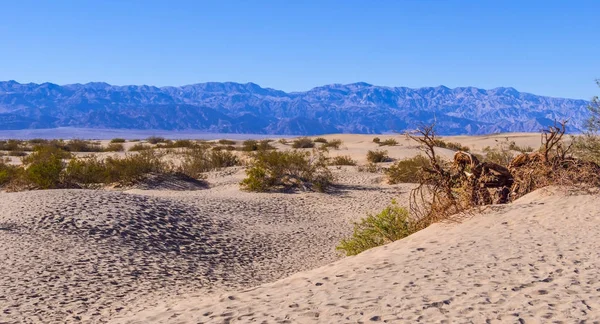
{"x": 228, "y": 107}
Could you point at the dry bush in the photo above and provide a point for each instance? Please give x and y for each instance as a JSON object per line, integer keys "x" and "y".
{"x": 334, "y": 144}
{"x": 451, "y": 145}
{"x": 17, "y": 153}
{"x": 117, "y": 140}
{"x": 408, "y": 170}
{"x": 287, "y": 170}
{"x": 8, "y": 173}
{"x": 199, "y": 160}
{"x": 224, "y": 148}
{"x": 77, "y": 145}
{"x": 114, "y": 147}
{"x": 376, "y": 140}
{"x": 391, "y": 224}
{"x": 254, "y": 145}
{"x": 226, "y": 142}
{"x": 134, "y": 167}
{"x": 181, "y": 143}
{"x": 155, "y": 140}
{"x": 388, "y": 142}
{"x": 378, "y": 156}
{"x": 320, "y": 140}
{"x": 303, "y": 142}
{"x": 139, "y": 147}
{"x": 500, "y": 154}
{"x": 12, "y": 145}
{"x": 283, "y": 141}
{"x": 587, "y": 147}
{"x": 370, "y": 167}
{"x": 342, "y": 160}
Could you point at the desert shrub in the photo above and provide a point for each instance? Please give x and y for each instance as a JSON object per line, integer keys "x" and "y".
{"x": 199, "y": 160}
{"x": 254, "y": 145}
{"x": 37, "y": 141}
{"x": 114, "y": 147}
{"x": 133, "y": 167}
{"x": 522, "y": 149}
{"x": 451, "y": 145}
{"x": 224, "y": 148}
{"x": 342, "y": 160}
{"x": 77, "y": 145}
{"x": 8, "y": 172}
{"x": 117, "y": 140}
{"x": 303, "y": 142}
{"x": 283, "y": 141}
{"x": 500, "y": 154}
{"x": 226, "y": 142}
{"x": 275, "y": 170}
{"x": 11, "y": 145}
{"x": 376, "y": 140}
{"x": 139, "y": 147}
{"x": 334, "y": 144}
{"x": 320, "y": 140}
{"x": 408, "y": 170}
{"x": 17, "y": 153}
{"x": 377, "y": 156}
{"x": 391, "y": 224}
{"x": 155, "y": 140}
{"x": 388, "y": 142}
{"x": 587, "y": 147}
{"x": 87, "y": 171}
{"x": 44, "y": 167}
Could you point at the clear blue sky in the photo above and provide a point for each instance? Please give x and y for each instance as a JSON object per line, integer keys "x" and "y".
{"x": 543, "y": 47}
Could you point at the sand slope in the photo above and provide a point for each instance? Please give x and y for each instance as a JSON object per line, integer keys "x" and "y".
{"x": 534, "y": 261}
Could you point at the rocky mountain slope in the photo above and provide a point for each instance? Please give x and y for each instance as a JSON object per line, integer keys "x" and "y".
{"x": 248, "y": 108}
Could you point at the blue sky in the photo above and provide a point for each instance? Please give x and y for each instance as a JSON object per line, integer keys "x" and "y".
{"x": 543, "y": 47}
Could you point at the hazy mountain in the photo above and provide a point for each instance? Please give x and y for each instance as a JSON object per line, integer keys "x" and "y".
{"x": 248, "y": 108}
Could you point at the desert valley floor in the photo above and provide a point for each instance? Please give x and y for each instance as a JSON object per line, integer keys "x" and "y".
{"x": 158, "y": 254}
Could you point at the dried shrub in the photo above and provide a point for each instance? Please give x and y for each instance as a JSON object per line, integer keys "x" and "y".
{"x": 303, "y": 142}
{"x": 334, "y": 144}
{"x": 283, "y": 141}
{"x": 224, "y": 148}
{"x": 12, "y": 145}
{"x": 226, "y": 142}
{"x": 8, "y": 173}
{"x": 342, "y": 160}
{"x": 199, "y": 160}
{"x": 182, "y": 143}
{"x": 388, "y": 142}
{"x": 320, "y": 140}
{"x": 77, "y": 145}
{"x": 376, "y": 140}
{"x": 155, "y": 140}
{"x": 500, "y": 154}
{"x": 134, "y": 167}
{"x": 17, "y": 153}
{"x": 391, "y": 224}
{"x": 287, "y": 170}
{"x": 139, "y": 147}
{"x": 117, "y": 140}
{"x": 114, "y": 147}
{"x": 587, "y": 147}
{"x": 378, "y": 156}
{"x": 370, "y": 167}
{"x": 254, "y": 145}
{"x": 408, "y": 170}
{"x": 451, "y": 145}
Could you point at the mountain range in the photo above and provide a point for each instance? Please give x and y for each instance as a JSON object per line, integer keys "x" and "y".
{"x": 229, "y": 107}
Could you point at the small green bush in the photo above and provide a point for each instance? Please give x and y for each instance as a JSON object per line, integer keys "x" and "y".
{"x": 587, "y": 147}
{"x": 44, "y": 167}
{"x": 522, "y": 149}
{"x": 8, "y": 172}
{"x": 303, "y": 142}
{"x": 500, "y": 154}
{"x": 391, "y": 224}
{"x": 199, "y": 160}
{"x": 451, "y": 145}
{"x": 377, "y": 156}
{"x": 287, "y": 170}
{"x": 77, "y": 145}
{"x": 342, "y": 160}
{"x": 254, "y": 145}
{"x": 388, "y": 142}
{"x": 87, "y": 171}
{"x": 320, "y": 140}
{"x": 224, "y": 147}
{"x": 407, "y": 171}
{"x": 117, "y": 140}
{"x": 134, "y": 167}
{"x": 114, "y": 147}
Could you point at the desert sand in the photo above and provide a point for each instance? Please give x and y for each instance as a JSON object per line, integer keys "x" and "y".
{"x": 159, "y": 254}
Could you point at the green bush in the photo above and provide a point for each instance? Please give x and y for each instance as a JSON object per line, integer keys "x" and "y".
{"x": 391, "y": 224}
{"x": 501, "y": 154}
{"x": 114, "y": 147}
{"x": 254, "y": 145}
{"x": 117, "y": 140}
{"x": 77, "y": 145}
{"x": 44, "y": 167}
{"x": 87, "y": 171}
{"x": 407, "y": 171}
{"x": 224, "y": 147}
{"x": 342, "y": 160}
{"x": 388, "y": 142}
{"x": 377, "y": 156}
{"x": 275, "y": 170}
{"x": 8, "y": 172}
{"x": 320, "y": 140}
{"x": 587, "y": 147}
{"x": 12, "y": 145}
{"x": 451, "y": 145}
{"x": 199, "y": 160}
{"x": 303, "y": 142}
{"x": 134, "y": 167}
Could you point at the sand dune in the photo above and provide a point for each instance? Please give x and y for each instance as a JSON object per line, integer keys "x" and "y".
{"x": 534, "y": 261}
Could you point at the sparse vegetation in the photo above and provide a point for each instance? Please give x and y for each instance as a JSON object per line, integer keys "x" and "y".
{"x": 287, "y": 170}
{"x": 451, "y": 145}
{"x": 254, "y": 145}
{"x": 334, "y": 144}
{"x": 378, "y": 156}
{"x": 376, "y": 140}
{"x": 391, "y": 224}
{"x": 388, "y": 142}
{"x": 320, "y": 140}
{"x": 114, "y": 147}
{"x": 199, "y": 160}
{"x": 77, "y": 145}
{"x": 408, "y": 170}
{"x": 117, "y": 140}
{"x": 155, "y": 140}
{"x": 303, "y": 142}
{"x": 44, "y": 167}
{"x": 226, "y": 142}
{"x": 342, "y": 160}
{"x": 139, "y": 147}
